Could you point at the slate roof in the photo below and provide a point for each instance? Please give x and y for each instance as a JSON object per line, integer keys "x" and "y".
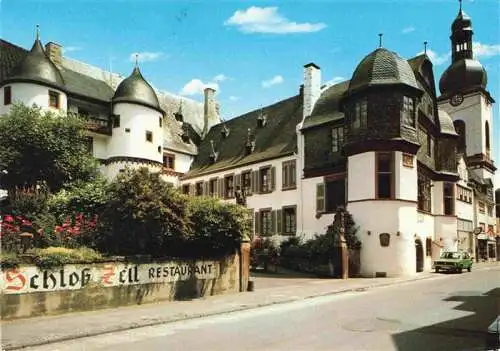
{"x": 327, "y": 107}
{"x": 89, "y": 87}
{"x": 276, "y": 139}
{"x": 382, "y": 67}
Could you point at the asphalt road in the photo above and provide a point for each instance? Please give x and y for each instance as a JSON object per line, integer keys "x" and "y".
{"x": 451, "y": 312}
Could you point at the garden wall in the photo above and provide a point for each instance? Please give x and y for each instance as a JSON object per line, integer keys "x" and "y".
{"x": 29, "y": 291}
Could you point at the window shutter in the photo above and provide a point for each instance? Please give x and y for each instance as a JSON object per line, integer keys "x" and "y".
{"x": 221, "y": 187}
{"x": 257, "y": 223}
{"x": 273, "y": 178}
{"x": 279, "y": 222}
{"x": 250, "y": 222}
{"x": 284, "y": 182}
{"x": 216, "y": 187}
{"x": 250, "y": 189}
{"x": 320, "y": 197}
{"x": 237, "y": 181}
{"x": 206, "y": 189}
{"x": 255, "y": 182}
{"x": 273, "y": 222}
{"x": 191, "y": 189}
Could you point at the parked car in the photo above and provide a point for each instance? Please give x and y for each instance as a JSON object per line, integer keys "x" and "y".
{"x": 454, "y": 261}
{"x": 493, "y": 340}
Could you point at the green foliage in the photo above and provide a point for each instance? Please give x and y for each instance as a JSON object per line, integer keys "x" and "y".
{"x": 58, "y": 256}
{"x": 38, "y": 146}
{"x": 142, "y": 215}
{"x": 216, "y": 227}
{"x": 87, "y": 197}
{"x": 28, "y": 202}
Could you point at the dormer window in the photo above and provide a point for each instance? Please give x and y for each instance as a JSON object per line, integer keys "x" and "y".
{"x": 179, "y": 117}
{"x": 337, "y": 139}
{"x": 214, "y": 154}
{"x": 359, "y": 118}
{"x": 225, "y": 131}
{"x": 54, "y": 99}
{"x": 408, "y": 112}
{"x": 250, "y": 143}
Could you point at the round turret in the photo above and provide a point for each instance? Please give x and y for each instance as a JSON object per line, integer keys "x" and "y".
{"x": 136, "y": 90}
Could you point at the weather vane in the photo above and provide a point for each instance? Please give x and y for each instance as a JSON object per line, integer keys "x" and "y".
{"x": 380, "y": 39}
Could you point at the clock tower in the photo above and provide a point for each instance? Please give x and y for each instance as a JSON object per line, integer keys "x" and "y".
{"x": 465, "y": 97}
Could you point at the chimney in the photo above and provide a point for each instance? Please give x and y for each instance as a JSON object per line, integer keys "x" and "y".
{"x": 210, "y": 110}
{"x": 54, "y": 52}
{"x": 312, "y": 87}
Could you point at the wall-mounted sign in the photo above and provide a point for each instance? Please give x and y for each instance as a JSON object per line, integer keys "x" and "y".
{"x": 408, "y": 160}
{"x": 478, "y": 230}
{"x": 384, "y": 239}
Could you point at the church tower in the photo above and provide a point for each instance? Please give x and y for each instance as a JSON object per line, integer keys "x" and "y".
{"x": 465, "y": 97}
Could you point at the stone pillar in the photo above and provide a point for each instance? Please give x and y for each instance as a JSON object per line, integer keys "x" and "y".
{"x": 244, "y": 265}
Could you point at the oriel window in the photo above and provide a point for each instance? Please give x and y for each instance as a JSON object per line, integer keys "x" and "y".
{"x": 449, "y": 198}
{"x": 360, "y": 114}
{"x": 337, "y": 139}
{"x": 408, "y": 112}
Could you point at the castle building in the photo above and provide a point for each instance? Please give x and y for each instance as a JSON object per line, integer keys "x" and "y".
{"x": 412, "y": 164}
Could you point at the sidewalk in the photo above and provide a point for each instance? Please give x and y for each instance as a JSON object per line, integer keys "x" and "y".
{"x": 43, "y": 330}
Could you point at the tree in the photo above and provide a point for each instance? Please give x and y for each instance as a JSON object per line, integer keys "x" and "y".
{"x": 142, "y": 215}
{"x": 38, "y": 146}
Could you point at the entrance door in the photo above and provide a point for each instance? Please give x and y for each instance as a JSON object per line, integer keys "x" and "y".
{"x": 419, "y": 251}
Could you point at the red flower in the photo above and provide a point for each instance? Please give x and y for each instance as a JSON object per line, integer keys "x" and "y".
{"x": 40, "y": 231}
{"x": 26, "y": 222}
{"x": 8, "y": 218}
{"x": 59, "y": 229}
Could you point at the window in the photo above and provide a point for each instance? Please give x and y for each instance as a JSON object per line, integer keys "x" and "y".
{"x": 487, "y": 138}
{"x": 320, "y": 198}
{"x": 160, "y": 121}
{"x": 229, "y": 187}
{"x": 212, "y": 187}
{"x": 127, "y": 130}
{"x": 199, "y": 189}
{"x": 490, "y": 211}
{"x": 424, "y": 193}
{"x": 246, "y": 182}
{"x": 149, "y": 136}
{"x": 265, "y": 179}
{"x": 169, "y": 161}
{"x": 385, "y": 175}
{"x": 7, "y": 95}
{"x": 428, "y": 247}
{"x": 266, "y": 223}
{"x": 430, "y": 145}
{"x": 449, "y": 199}
{"x": 54, "y": 99}
{"x": 464, "y": 194}
{"x": 335, "y": 194}
{"x": 408, "y": 114}
{"x": 90, "y": 145}
{"x": 185, "y": 189}
{"x": 289, "y": 175}
{"x": 337, "y": 139}
{"x": 116, "y": 121}
{"x": 460, "y": 129}
{"x": 481, "y": 207}
{"x": 289, "y": 220}
{"x": 360, "y": 112}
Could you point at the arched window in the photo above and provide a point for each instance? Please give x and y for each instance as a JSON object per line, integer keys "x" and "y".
{"x": 460, "y": 129}
{"x": 487, "y": 135}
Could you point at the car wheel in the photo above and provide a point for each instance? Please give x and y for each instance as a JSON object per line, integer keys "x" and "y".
{"x": 459, "y": 269}
{"x": 437, "y": 270}
{"x": 469, "y": 268}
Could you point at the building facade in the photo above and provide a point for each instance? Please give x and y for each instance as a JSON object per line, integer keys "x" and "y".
{"x": 411, "y": 163}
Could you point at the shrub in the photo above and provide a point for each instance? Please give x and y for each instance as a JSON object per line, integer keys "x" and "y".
{"x": 28, "y": 202}
{"x": 58, "y": 256}
{"x": 216, "y": 227}
{"x": 142, "y": 215}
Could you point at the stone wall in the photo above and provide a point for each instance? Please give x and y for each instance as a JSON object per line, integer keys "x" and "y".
{"x": 30, "y": 291}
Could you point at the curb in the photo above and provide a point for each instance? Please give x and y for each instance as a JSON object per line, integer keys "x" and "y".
{"x": 217, "y": 313}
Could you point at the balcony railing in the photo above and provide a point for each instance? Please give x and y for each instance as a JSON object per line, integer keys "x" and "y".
{"x": 98, "y": 125}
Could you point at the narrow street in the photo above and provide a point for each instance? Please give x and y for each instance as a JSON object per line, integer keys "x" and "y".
{"x": 451, "y": 313}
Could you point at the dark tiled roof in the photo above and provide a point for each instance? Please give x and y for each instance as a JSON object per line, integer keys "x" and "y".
{"x": 416, "y": 62}
{"x": 83, "y": 85}
{"x": 382, "y": 67}
{"x": 327, "y": 107}
{"x": 10, "y": 56}
{"x": 462, "y": 75}
{"x": 135, "y": 89}
{"x": 277, "y": 138}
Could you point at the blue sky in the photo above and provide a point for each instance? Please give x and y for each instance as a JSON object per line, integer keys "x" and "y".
{"x": 252, "y": 51}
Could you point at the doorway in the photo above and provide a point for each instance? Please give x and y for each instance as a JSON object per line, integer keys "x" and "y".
{"x": 419, "y": 251}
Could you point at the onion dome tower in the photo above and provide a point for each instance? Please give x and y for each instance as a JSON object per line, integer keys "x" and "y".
{"x": 465, "y": 73}
{"x": 380, "y": 120}
{"x": 137, "y": 134}
{"x": 37, "y": 80}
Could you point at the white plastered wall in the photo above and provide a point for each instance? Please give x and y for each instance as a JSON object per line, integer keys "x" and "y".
{"x": 33, "y": 94}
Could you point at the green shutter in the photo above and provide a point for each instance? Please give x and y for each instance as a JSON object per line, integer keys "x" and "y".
{"x": 273, "y": 222}
{"x": 257, "y": 223}
{"x": 273, "y": 178}
{"x": 279, "y": 222}
{"x": 221, "y": 187}
{"x": 320, "y": 197}
{"x": 237, "y": 181}
{"x": 206, "y": 189}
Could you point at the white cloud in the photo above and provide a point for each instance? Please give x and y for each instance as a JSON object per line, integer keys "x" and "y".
{"x": 268, "y": 20}
{"x": 273, "y": 81}
{"x": 146, "y": 56}
{"x": 71, "y": 48}
{"x": 485, "y": 50}
{"x": 436, "y": 58}
{"x": 234, "y": 98}
{"x": 196, "y": 86}
{"x": 408, "y": 30}
{"x": 220, "y": 78}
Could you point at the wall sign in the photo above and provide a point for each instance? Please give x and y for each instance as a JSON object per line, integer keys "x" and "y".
{"x": 73, "y": 277}
{"x": 408, "y": 160}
